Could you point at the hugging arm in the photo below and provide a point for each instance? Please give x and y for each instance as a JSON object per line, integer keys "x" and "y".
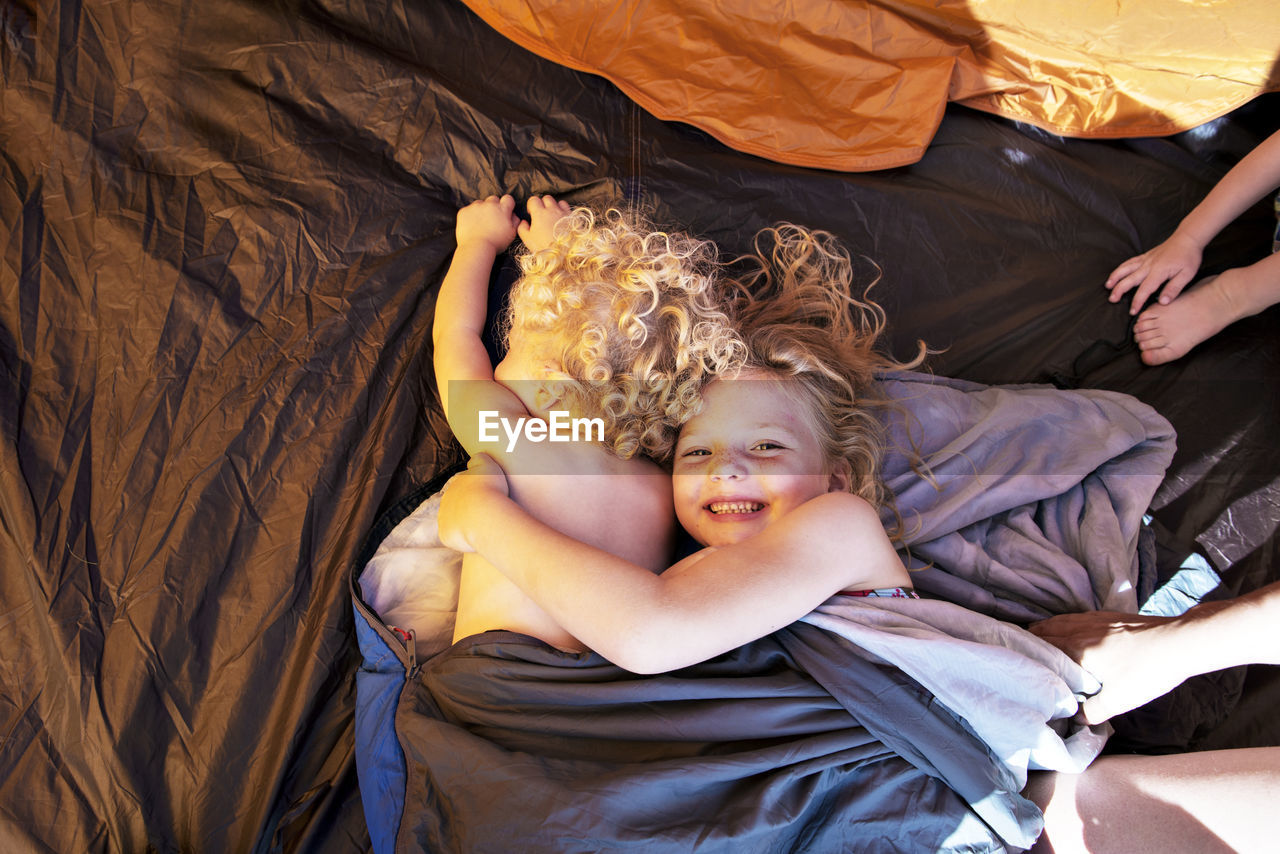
{"x": 707, "y": 604}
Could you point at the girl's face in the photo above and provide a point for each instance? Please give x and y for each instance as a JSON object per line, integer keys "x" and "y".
{"x": 748, "y": 458}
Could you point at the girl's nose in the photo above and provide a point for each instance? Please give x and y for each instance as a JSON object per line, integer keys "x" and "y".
{"x": 726, "y": 467}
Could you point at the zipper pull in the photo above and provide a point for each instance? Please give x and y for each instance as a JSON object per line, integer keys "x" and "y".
{"x": 407, "y": 637}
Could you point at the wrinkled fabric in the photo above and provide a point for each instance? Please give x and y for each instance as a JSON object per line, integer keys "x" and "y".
{"x": 1033, "y": 499}
{"x": 511, "y": 744}
{"x": 1014, "y": 691}
{"x": 223, "y": 225}
{"x": 857, "y": 85}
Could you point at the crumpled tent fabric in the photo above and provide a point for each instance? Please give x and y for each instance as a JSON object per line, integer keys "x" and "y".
{"x": 854, "y": 85}
{"x": 223, "y": 226}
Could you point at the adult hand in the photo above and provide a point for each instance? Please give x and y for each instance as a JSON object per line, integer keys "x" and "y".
{"x": 1172, "y": 264}
{"x": 490, "y": 222}
{"x": 1136, "y": 657}
{"x": 465, "y": 498}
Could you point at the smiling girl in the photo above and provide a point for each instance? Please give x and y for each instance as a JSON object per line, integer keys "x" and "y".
{"x": 777, "y": 476}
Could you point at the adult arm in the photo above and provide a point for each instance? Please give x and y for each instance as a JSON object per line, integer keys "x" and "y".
{"x": 1138, "y": 658}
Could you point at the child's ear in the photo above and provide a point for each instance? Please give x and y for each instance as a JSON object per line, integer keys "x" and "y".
{"x": 841, "y": 477}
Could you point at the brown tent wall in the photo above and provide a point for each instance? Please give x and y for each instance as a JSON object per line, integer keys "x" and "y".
{"x": 224, "y": 224}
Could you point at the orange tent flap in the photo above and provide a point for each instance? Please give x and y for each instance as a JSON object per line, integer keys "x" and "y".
{"x": 856, "y": 85}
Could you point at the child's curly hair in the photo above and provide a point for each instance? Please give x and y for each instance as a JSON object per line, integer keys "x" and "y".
{"x": 638, "y": 322}
{"x": 793, "y": 303}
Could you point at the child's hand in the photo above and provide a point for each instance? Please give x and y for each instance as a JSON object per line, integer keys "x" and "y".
{"x": 489, "y": 222}
{"x": 464, "y": 499}
{"x": 1172, "y": 264}
{"x": 544, "y": 213}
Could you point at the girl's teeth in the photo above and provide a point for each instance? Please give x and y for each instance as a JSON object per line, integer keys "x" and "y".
{"x": 735, "y": 507}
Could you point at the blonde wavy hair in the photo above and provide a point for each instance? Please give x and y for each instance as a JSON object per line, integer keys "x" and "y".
{"x": 793, "y": 302}
{"x": 637, "y": 322}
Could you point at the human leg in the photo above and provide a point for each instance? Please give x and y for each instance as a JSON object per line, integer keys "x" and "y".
{"x": 1212, "y": 801}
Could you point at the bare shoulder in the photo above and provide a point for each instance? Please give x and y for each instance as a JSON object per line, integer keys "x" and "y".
{"x": 842, "y": 533}
{"x": 836, "y": 515}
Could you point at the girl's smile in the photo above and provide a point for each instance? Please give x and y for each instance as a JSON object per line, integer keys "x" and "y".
{"x": 734, "y": 507}
{"x": 748, "y": 458}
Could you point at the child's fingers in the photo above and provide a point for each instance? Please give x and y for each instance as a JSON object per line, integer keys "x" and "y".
{"x": 1175, "y": 285}
{"x": 1123, "y": 271}
{"x": 506, "y": 207}
{"x": 547, "y": 204}
{"x": 1148, "y": 287}
{"x": 1127, "y": 282}
{"x": 1168, "y": 278}
{"x": 492, "y": 474}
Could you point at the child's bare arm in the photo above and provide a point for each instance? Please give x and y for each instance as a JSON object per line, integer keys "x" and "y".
{"x": 484, "y": 229}
{"x": 1174, "y": 262}
{"x": 707, "y": 604}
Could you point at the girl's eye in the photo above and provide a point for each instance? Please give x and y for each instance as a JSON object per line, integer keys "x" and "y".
{"x": 696, "y": 452}
{"x": 766, "y": 446}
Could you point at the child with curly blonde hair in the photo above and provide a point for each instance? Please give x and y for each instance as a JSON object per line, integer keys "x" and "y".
{"x": 612, "y": 327}
{"x": 793, "y": 302}
{"x": 777, "y": 475}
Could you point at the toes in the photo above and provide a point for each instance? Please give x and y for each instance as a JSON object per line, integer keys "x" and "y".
{"x": 1149, "y": 338}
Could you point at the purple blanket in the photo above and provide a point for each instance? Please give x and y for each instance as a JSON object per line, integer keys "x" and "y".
{"x": 1039, "y": 493}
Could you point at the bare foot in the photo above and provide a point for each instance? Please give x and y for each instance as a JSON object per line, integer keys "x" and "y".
{"x": 1168, "y": 332}
{"x": 1128, "y": 653}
